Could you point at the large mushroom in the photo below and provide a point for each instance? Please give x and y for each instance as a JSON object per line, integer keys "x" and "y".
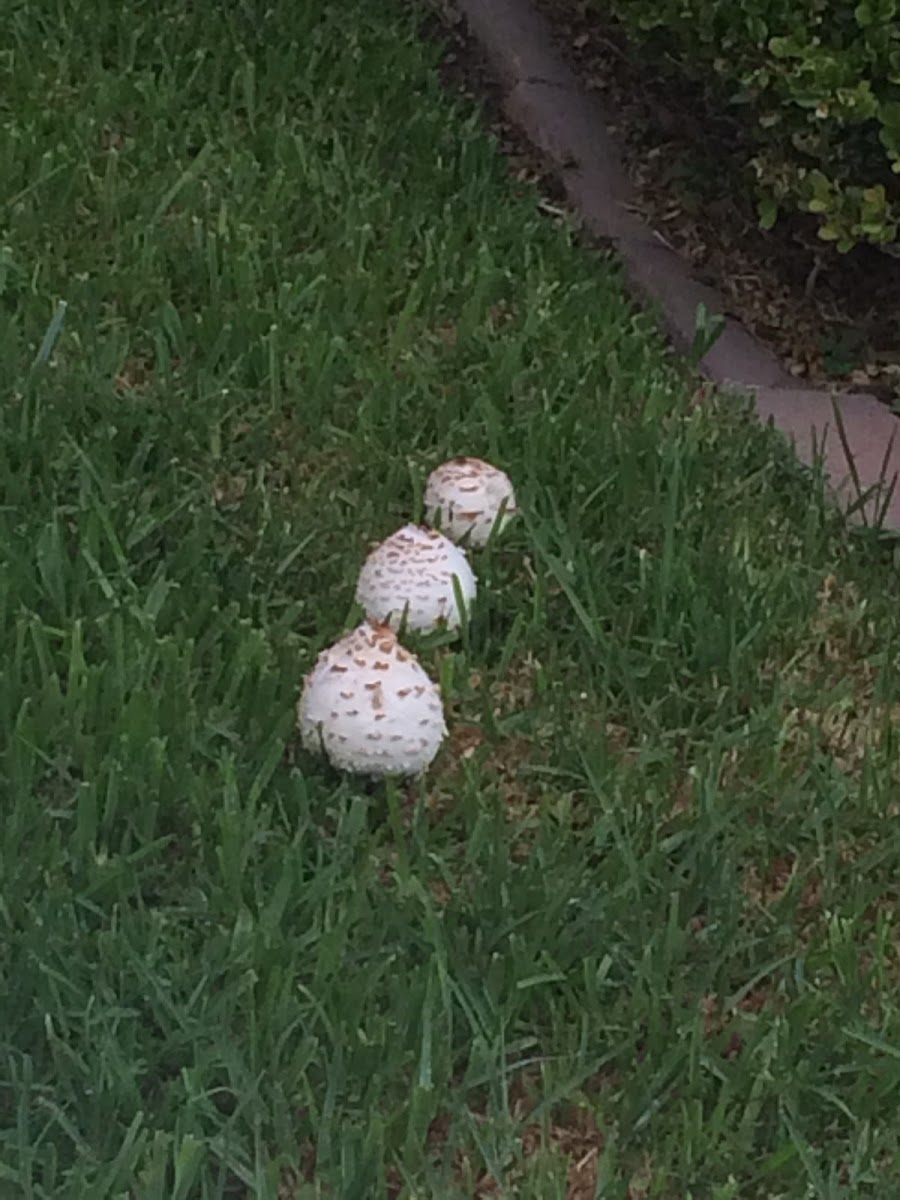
{"x": 466, "y": 497}
{"x": 419, "y": 576}
{"x": 370, "y": 707}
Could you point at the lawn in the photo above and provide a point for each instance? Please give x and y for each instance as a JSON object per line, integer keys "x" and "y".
{"x": 634, "y": 935}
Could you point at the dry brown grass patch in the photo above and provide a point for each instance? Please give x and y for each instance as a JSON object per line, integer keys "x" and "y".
{"x": 570, "y": 1134}
{"x": 835, "y": 683}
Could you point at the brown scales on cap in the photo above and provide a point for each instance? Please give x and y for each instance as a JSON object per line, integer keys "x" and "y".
{"x": 389, "y": 735}
{"x": 467, "y": 497}
{"x": 413, "y": 578}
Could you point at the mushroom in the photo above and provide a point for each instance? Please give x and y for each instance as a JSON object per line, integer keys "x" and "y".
{"x": 411, "y": 575}
{"x": 465, "y": 497}
{"x": 368, "y": 705}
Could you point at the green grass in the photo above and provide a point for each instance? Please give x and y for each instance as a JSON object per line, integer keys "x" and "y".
{"x": 650, "y": 887}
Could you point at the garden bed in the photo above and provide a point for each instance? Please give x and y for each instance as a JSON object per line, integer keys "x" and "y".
{"x": 832, "y": 318}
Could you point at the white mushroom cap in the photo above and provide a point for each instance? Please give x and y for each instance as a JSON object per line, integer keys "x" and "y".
{"x": 411, "y": 574}
{"x": 371, "y": 707}
{"x": 464, "y": 497}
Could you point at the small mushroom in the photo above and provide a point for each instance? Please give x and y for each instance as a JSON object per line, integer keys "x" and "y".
{"x": 411, "y": 575}
{"x": 370, "y": 708}
{"x": 465, "y": 497}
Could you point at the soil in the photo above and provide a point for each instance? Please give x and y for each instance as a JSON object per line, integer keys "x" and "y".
{"x": 833, "y": 319}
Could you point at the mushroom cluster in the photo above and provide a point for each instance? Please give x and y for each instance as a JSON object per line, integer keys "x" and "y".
{"x": 368, "y": 704}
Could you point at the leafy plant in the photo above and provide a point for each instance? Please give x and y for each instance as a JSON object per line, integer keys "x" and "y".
{"x": 822, "y": 84}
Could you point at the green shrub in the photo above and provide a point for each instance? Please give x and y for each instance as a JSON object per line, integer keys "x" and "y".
{"x": 821, "y": 82}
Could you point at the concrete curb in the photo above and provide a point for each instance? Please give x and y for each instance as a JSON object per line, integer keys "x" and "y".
{"x": 855, "y": 436}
